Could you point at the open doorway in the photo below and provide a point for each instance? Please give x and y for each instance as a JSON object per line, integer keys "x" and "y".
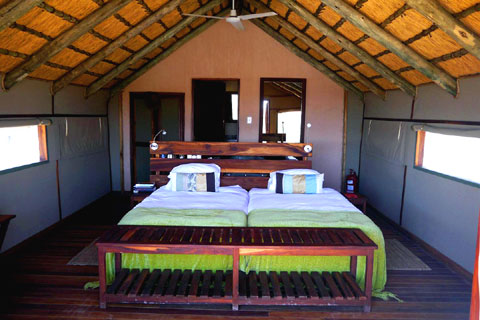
{"x": 282, "y": 110}
{"x": 215, "y": 110}
{"x": 151, "y": 113}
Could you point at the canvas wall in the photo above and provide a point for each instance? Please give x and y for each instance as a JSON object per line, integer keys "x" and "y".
{"x": 81, "y": 152}
{"x": 442, "y": 212}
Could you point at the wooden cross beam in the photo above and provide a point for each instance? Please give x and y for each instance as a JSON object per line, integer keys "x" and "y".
{"x": 100, "y": 83}
{"x": 322, "y": 51}
{"x": 125, "y": 82}
{"x": 62, "y": 41}
{"x": 110, "y": 48}
{"x": 307, "y": 58}
{"x": 348, "y": 45}
{"x": 396, "y": 46}
{"x": 14, "y": 10}
{"x": 451, "y": 26}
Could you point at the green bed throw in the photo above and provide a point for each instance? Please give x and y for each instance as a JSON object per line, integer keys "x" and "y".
{"x": 256, "y": 218}
{"x": 177, "y": 217}
{"x": 289, "y": 218}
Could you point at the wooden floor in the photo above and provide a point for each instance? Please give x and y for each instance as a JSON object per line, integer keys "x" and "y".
{"x": 37, "y": 283}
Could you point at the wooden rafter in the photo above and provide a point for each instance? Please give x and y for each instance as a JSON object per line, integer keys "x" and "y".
{"x": 348, "y": 45}
{"x": 322, "y": 51}
{"x": 307, "y": 58}
{"x": 390, "y": 42}
{"x": 110, "y": 48}
{"x": 100, "y": 83}
{"x": 451, "y": 26}
{"x": 287, "y": 89}
{"x": 14, "y": 10}
{"x": 61, "y": 42}
{"x": 192, "y": 34}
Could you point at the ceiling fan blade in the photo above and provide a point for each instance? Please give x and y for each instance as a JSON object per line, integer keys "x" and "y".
{"x": 236, "y": 23}
{"x": 257, "y": 15}
{"x": 202, "y": 16}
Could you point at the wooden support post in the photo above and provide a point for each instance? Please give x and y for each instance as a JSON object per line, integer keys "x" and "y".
{"x": 100, "y": 83}
{"x": 307, "y": 58}
{"x": 14, "y": 10}
{"x": 125, "y": 82}
{"x": 62, "y": 41}
{"x": 393, "y": 44}
{"x": 102, "y": 277}
{"x": 322, "y": 51}
{"x": 353, "y": 266}
{"x": 235, "y": 278}
{"x": 368, "y": 281}
{"x": 110, "y": 48}
{"x": 451, "y": 26}
{"x": 348, "y": 45}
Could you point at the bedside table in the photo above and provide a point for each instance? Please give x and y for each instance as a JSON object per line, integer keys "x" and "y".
{"x": 360, "y": 201}
{"x": 136, "y": 198}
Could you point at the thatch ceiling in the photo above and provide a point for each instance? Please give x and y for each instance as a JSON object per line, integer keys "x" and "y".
{"x": 364, "y": 45}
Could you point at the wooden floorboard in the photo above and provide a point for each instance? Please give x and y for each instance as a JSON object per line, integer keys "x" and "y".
{"x": 37, "y": 283}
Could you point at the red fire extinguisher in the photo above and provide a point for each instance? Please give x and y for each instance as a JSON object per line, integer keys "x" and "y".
{"x": 352, "y": 182}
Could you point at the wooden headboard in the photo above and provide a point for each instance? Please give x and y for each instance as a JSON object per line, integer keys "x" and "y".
{"x": 242, "y": 163}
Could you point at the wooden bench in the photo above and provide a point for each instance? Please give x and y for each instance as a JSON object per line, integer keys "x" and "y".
{"x": 235, "y": 287}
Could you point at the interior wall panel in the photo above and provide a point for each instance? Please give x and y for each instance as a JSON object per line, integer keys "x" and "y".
{"x": 27, "y": 97}
{"x": 354, "y": 132}
{"x": 396, "y": 105}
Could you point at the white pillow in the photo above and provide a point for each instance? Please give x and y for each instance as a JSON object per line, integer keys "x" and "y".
{"x": 272, "y": 182}
{"x": 195, "y": 168}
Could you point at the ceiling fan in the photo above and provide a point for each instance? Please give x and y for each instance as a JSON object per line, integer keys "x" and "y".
{"x": 235, "y": 20}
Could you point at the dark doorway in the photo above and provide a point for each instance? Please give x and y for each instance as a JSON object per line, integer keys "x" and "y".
{"x": 215, "y": 110}
{"x": 151, "y": 112}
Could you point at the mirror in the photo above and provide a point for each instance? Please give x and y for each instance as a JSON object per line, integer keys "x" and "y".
{"x": 282, "y": 110}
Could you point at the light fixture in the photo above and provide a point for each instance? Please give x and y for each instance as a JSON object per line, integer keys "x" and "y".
{"x": 154, "y": 145}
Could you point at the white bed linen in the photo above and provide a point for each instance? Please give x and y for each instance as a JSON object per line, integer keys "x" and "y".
{"x": 327, "y": 200}
{"x": 227, "y": 198}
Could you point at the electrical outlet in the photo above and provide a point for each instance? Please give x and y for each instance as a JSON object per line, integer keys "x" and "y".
{"x": 249, "y": 120}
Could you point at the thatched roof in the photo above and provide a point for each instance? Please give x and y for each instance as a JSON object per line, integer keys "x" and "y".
{"x": 364, "y": 45}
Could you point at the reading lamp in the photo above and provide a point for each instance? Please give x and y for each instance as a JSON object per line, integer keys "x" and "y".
{"x": 154, "y": 145}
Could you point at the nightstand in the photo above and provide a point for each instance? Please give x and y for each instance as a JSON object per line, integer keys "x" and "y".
{"x": 357, "y": 200}
{"x": 136, "y": 198}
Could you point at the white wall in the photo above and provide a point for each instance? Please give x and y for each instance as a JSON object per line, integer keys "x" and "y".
{"x": 442, "y": 212}
{"x": 31, "y": 193}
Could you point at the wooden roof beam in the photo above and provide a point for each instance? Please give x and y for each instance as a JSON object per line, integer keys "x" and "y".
{"x": 451, "y": 26}
{"x": 396, "y": 46}
{"x": 110, "y": 48}
{"x": 195, "y": 32}
{"x": 307, "y": 58}
{"x": 49, "y": 50}
{"x": 322, "y": 51}
{"x": 14, "y": 10}
{"x": 100, "y": 83}
{"x": 348, "y": 45}
{"x": 286, "y": 89}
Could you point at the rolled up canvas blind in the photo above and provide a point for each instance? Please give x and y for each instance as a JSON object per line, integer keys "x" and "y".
{"x": 81, "y": 136}
{"x": 17, "y": 122}
{"x": 453, "y": 130}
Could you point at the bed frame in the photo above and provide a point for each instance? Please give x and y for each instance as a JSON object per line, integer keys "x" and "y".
{"x": 242, "y": 163}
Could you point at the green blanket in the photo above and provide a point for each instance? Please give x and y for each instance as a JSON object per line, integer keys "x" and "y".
{"x": 178, "y": 217}
{"x": 289, "y": 218}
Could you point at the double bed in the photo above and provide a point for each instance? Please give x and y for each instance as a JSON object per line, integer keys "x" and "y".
{"x": 233, "y": 206}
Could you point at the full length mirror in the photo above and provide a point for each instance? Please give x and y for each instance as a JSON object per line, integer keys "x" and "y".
{"x": 282, "y": 110}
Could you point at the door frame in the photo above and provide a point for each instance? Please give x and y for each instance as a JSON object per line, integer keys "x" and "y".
{"x": 193, "y": 102}
{"x": 303, "y": 103}
{"x": 181, "y": 129}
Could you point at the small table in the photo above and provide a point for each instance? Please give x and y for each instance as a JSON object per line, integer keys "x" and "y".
{"x": 235, "y": 287}
{"x": 358, "y": 201}
{"x": 4, "y": 221}
{"x": 136, "y": 198}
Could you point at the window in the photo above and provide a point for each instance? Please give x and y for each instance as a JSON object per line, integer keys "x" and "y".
{"x": 289, "y": 123}
{"x": 454, "y": 156}
{"x": 22, "y": 146}
{"x": 235, "y": 106}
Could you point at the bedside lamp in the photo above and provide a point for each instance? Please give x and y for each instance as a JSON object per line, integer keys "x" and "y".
{"x": 154, "y": 145}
